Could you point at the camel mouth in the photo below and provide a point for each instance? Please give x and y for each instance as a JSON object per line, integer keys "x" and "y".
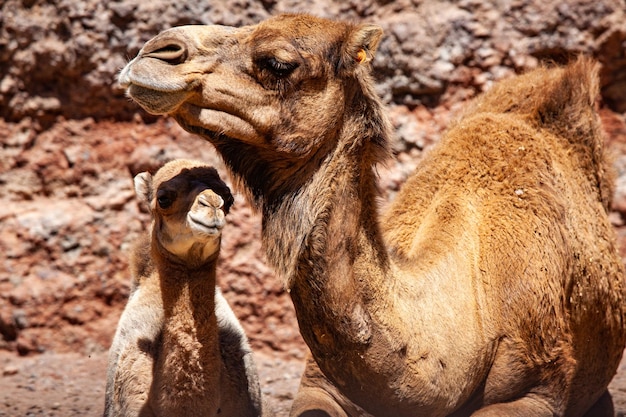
{"x": 212, "y": 134}
{"x": 200, "y": 226}
{"x": 155, "y": 101}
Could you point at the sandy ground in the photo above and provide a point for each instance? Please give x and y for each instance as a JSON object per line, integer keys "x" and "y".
{"x": 70, "y": 385}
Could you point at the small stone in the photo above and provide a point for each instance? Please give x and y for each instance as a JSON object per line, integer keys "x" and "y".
{"x": 10, "y": 370}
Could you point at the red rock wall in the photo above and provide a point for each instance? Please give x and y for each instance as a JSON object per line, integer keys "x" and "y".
{"x": 71, "y": 141}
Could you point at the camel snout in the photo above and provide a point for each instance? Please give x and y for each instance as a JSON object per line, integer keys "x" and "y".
{"x": 209, "y": 198}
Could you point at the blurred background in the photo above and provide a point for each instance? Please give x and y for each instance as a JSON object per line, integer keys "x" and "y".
{"x": 71, "y": 143}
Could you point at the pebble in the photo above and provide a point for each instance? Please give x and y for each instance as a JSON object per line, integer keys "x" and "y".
{"x": 10, "y": 370}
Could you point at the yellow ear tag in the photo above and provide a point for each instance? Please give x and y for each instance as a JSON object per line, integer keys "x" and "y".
{"x": 361, "y": 56}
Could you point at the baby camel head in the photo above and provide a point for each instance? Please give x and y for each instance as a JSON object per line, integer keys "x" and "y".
{"x": 273, "y": 97}
{"x": 188, "y": 202}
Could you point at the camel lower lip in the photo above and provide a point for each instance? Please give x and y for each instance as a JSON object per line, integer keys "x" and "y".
{"x": 139, "y": 90}
{"x": 216, "y": 122}
{"x": 206, "y": 228}
{"x": 155, "y": 101}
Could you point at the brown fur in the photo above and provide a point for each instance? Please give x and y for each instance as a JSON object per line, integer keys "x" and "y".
{"x": 491, "y": 287}
{"x": 178, "y": 349}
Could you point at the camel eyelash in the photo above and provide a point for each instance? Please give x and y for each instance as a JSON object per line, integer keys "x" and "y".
{"x": 278, "y": 68}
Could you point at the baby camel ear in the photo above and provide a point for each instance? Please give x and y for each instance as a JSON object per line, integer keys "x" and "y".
{"x": 362, "y": 44}
{"x": 143, "y": 186}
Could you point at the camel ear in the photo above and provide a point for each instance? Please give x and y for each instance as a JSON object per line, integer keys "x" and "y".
{"x": 143, "y": 186}
{"x": 362, "y": 44}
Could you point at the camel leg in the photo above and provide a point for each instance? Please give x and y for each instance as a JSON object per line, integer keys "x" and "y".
{"x": 603, "y": 407}
{"x": 533, "y": 407}
{"x": 318, "y": 397}
{"x": 523, "y": 407}
{"x": 315, "y": 402}
{"x": 313, "y": 398}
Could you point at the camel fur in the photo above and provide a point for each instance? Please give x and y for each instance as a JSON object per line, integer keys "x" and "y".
{"x": 490, "y": 287}
{"x": 179, "y": 350}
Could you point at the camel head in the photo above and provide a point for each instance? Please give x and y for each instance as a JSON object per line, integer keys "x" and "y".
{"x": 278, "y": 93}
{"x": 188, "y": 202}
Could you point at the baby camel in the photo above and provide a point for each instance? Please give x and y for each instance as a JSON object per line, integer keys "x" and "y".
{"x": 179, "y": 349}
{"x": 491, "y": 287}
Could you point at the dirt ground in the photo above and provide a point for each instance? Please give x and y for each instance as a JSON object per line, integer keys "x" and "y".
{"x": 72, "y": 385}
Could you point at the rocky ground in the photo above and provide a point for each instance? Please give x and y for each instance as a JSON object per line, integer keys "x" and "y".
{"x": 71, "y": 143}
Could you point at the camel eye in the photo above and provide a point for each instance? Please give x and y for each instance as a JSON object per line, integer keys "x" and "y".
{"x": 165, "y": 199}
{"x": 278, "y": 68}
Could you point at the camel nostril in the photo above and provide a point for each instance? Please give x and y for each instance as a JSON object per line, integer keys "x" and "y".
{"x": 210, "y": 199}
{"x": 171, "y": 52}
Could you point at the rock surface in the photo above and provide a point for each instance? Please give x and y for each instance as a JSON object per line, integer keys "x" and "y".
{"x": 71, "y": 143}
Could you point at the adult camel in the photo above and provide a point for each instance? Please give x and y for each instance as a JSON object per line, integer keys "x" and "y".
{"x": 491, "y": 286}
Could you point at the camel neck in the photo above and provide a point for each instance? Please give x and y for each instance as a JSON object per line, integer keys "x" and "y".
{"x": 334, "y": 247}
{"x": 190, "y": 338}
{"x": 189, "y": 293}
{"x": 341, "y": 277}
{"x": 328, "y": 243}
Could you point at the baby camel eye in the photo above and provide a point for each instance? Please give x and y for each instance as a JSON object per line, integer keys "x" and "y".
{"x": 278, "y": 68}
{"x": 165, "y": 199}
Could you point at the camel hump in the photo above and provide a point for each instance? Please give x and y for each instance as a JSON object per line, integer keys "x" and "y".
{"x": 558, "y": 99}
{"x": 567, "y": 103}
{"x": 562, "y": 101}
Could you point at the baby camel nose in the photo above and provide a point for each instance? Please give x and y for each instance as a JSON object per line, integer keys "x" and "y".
{"x": 209, "y": 198}
{"x": 166, "y": 49}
